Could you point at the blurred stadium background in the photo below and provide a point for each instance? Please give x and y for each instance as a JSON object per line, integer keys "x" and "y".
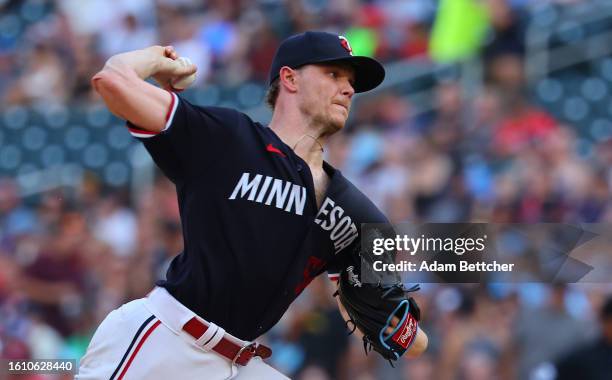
{"x": 492, "y": 110}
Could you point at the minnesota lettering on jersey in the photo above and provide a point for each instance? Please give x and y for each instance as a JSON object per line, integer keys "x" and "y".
{"x": 331, "y": 217}
{"x": 269, "y": 191}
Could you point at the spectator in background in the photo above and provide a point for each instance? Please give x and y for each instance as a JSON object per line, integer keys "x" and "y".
{"x": 485, "y": 113}
{"x": 594, "y": 360}
{"x": 179, "y": 29}
{"x": 128, "y": 34}
{"x": 542, "y": 335}
{"x": 42, "y": 80}
{"x": 449, "y": 120}
{"x": 116, "y": 225}
{"x": 421, "y": 368}
{"x": 523, "y": 123}
{"x": 473, "y": 351}
{"x": 15, "y": 219}
{"x": 386, "y": 181}
{"x": 430, "y": 174}
{"x": 405, "y": 26}
{"x": 55, "y": 280}
{"x": 506, "y": 33}
{"x": 220, "y": 33}
{"x": 321, "y": 333}
{"x": 171, "y": 243}
{"x": 261, "y": 50}
{"x": 107, "y": 17}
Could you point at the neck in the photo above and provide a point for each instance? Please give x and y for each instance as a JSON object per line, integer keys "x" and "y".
{"x": 305, "y": 138}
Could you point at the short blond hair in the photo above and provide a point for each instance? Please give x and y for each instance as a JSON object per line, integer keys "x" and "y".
{"x": 272, "y": 93}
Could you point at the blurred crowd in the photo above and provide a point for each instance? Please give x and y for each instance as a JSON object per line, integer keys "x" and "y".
{"x": 49, "y": 50}
{"x": 69, "y": 256}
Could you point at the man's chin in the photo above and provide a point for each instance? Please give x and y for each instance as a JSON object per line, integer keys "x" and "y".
{"x": 335, "y": 126}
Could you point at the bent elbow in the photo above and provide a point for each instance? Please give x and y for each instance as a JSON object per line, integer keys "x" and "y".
{"x": 111, "y": 87}
{"x": 105, "y": 82}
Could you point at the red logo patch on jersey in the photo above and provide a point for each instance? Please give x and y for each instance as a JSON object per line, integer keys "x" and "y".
{"x": 345, "y": 44}
{"x": 271, "y": 148}
{"x": 313, "y": 265}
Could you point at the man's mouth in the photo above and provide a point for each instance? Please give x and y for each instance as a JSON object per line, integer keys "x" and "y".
{"x": 343, "y": 106}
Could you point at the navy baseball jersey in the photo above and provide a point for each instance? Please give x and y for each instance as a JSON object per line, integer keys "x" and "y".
{"x": 254, "y": 236}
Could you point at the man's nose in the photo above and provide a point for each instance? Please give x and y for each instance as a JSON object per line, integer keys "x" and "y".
{"x": 348, "y": 90}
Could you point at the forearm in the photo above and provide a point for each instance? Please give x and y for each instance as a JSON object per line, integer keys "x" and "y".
{"x": 122, "y": 86}
{"x": 143, "y": 63}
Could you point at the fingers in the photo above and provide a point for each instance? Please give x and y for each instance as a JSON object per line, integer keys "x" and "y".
{"x": 394, "y": 323}
{"x": 170, "y": 52}
{"x": 186, "y": 66}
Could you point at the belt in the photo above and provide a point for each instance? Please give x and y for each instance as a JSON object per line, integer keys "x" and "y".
{"x": 236, "y": 353}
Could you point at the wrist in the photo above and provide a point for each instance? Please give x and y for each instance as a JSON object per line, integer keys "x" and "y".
{"x": 150, "y": 61}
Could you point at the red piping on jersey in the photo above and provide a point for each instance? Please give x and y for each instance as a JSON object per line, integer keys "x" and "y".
{"x": 143, "y": 131}
{"x": 171, "y": 106}
{"x": 146, "y": 335}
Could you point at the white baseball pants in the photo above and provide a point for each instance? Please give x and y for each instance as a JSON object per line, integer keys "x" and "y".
{"x": 144, "y": 339}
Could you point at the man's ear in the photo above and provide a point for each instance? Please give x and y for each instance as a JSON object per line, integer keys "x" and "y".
{"x": 288, "y": 78}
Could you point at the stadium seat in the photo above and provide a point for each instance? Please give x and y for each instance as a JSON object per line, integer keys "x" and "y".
{"x": 76, "y": 137}
{"x": 594, "y": 89}
{"x": 575, "y": 108}
{"x": 52, "y": 155}
{"x": 95, "y": 156}
{"x": 549, "y": 90}
{"x": 34, "y": 138}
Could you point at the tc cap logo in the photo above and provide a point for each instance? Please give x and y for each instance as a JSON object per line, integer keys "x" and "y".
{"x": 345, "y": 44}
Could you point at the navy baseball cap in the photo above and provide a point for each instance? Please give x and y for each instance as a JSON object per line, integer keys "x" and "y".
{"x": 320, "y": 47}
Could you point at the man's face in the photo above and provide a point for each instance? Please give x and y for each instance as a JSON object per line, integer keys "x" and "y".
{"x": 325, "y": 94}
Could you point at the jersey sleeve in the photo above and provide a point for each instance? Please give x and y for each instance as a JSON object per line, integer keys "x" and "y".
{"x": 333, "y": 274}
{"x": 333, "y": 269}
{"x": 192, "y": 137}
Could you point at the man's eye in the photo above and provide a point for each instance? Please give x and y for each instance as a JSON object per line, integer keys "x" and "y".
{"x": 333, "y": 74}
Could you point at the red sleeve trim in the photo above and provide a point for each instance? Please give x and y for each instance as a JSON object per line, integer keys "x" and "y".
{"x": 142, "y": 133}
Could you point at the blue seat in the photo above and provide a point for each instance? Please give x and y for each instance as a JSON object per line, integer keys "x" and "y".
{"x": 34, "y": 138}
{"x": 209, "y": 95}
{"x": 594, "y": 89}
{"x": 601, "y": 129}
{"x": 249, "y": 95}
{"x": 52, "y": 155}
{"x": 95, "y": 155}
{"x": 549, "y": 90}
{"x": 76, "y": 137}
{"x": 575, "y": 108}
{"x": 117, "y": 173}
{"x": 10, "y": 157}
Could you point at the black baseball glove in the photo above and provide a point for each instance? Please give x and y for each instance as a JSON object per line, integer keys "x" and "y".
{"x": 372, "y": 299}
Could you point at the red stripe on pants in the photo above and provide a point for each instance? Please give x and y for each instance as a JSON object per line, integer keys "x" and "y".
{"x": 146, "y": 335}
